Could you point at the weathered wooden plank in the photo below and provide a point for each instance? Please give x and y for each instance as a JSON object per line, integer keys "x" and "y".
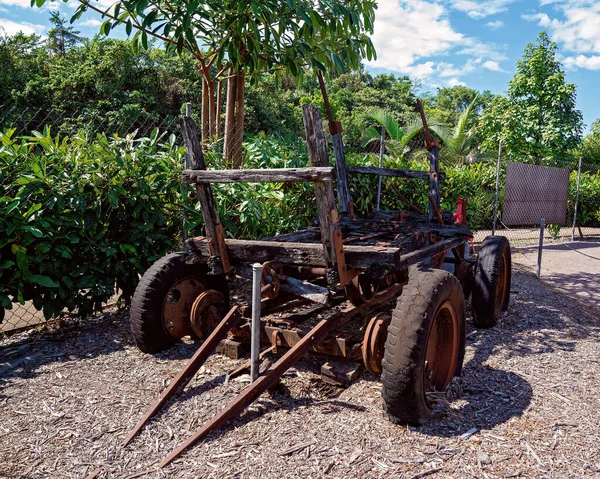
{"x": 343, "y": 189}
{"x": 244, "y": 251}
{"x": 372, "y": 170}
{"x": 317, "y": 152}
{"x": 207, "y": 203}
{"x": 429, "y": 251}
{"x": 275, "y": 175}
{"x": 297, "y": 287}
{"x": 335, "y": 128}
{"x": 302, "y": 236}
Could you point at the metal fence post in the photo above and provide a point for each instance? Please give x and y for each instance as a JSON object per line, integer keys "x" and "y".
{"x": 255, "y": 338}
{"x": 539, "y": 263}
{"x": 576, "y": 201}
{"x": 497, "y": 187}
{"x": 381, "y": 153}
{"x": 188, "y": 113}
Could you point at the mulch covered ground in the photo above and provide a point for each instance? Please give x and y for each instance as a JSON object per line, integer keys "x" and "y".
{"x": 528, "y": 405}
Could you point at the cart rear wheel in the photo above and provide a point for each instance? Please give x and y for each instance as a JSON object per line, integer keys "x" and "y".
{"x": 163, "y": 301}
{"x": 425, "y": 344}
{"x": 491, "y": 281}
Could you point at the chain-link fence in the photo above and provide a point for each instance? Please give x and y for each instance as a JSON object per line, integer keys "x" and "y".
{"x": 565, "y": 195}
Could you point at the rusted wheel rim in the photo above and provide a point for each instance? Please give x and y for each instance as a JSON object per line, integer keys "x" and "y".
{"x": 501, "y": 286}
{"x": 178, "y": 305}
{"x": 206, "y": 312}
{"x": 441, "y": 354}
{"x": 373, "y": 346}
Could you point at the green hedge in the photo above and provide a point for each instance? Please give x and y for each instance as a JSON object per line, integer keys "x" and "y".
{"x": 82, "y": 217}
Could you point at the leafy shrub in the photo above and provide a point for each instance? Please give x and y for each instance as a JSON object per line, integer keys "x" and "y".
{"x": 83, "y": 217}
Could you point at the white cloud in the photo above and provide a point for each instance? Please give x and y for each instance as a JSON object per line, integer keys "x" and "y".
{"x": 582, "y": 61}
{"x": 92, "y": 22}
{"x": 456, "y": 82}
{"x": 575, "y": 27}
{"x": 493, "y": 66}
{"x": 16, "y": 3}
{"x": 11, "y": 28}
{"x": 495, "y": 25}
{"x": 481, "y": 9}
{"x": 407, "y": 33}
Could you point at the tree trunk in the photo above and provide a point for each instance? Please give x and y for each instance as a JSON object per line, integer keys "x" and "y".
{"x": 238, "y": 156}
{"x": 230, "y": 118}
{"x": 218, "y": 109}
{"x": 205, "y": 115}
{"x": 211, "y": 108}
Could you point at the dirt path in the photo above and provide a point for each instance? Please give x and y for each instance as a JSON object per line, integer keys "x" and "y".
{"x": 572, "y": 267}
{"x": 528, "y": 407}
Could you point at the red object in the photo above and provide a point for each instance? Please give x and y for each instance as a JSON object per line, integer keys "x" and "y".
{"x": 460, "y": 215}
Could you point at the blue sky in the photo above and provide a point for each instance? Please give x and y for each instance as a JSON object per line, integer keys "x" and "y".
{"x": 441, "y": 43}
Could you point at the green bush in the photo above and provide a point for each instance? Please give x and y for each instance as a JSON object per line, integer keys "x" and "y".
{"x": 83, "y": 217}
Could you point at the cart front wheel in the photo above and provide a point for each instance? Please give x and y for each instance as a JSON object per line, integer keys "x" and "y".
{"x": 163, "y": 301}
{"x": 425, "y": 344}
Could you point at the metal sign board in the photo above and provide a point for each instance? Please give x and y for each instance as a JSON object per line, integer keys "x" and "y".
{"x": 533, "y": 192}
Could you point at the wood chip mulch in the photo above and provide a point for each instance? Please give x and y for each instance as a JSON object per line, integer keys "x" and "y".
{"x": 528, "y": 405}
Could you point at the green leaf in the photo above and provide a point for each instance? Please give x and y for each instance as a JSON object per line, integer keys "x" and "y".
{"x": 33, "y": 230}
{"x": 6, "y": 264}
{"x": 43, "y": 280}
{"x": 22, "y": 260}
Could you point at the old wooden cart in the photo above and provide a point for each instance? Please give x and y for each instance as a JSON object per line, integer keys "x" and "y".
{"x": 394, "y": 284}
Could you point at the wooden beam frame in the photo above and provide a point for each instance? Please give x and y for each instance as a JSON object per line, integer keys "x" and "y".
{"x": 274, "y": 175}
{"x": 390, "y": 172}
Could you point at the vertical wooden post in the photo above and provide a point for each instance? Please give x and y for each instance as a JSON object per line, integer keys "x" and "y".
{"x": 433, "y": 147}
{"x": 434, "y": 181}
{"x": 317, "y": 152}
{"x": 335, "y": 128}
{"x": 204, "y": 191}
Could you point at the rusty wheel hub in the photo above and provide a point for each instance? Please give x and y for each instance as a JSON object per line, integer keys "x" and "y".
{"x": 373, "y": 345}
{"x": 178, "y": 304}
{"x": 207, "y": 312}
{"x": 441, "y": 354}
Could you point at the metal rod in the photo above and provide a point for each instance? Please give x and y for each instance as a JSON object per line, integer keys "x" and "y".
{"x": 541, "y": 246}
{"x": 381, "y": 153}
{"x": 497, "y": 187}
{"x": 576, "y": 201}
{"x": 255, "y": 343}
{"x": 272, "y": 375}
{"x": 233, "y": 318}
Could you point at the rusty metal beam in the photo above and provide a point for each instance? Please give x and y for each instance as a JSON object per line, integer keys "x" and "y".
{"x": 232, "y": 319}
{"x": 254, "y": 390}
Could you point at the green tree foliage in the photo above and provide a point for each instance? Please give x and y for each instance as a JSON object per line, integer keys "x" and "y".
{"x": 589, "y": 150}
{"x": 537, "y": 120}
{"x": 61, "y": 36}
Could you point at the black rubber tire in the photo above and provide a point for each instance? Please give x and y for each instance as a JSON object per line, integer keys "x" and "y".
{"x": 403, "y": 386}
{"x": 486, "y": 309}
{"x": 147, "y": 304}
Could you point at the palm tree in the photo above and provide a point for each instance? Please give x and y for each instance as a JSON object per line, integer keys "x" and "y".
{"x": 399, "y": 138}
{"x": 457, "y": 143}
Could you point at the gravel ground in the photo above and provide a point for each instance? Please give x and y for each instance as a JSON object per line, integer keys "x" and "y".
{"x": 527, "y": 406}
